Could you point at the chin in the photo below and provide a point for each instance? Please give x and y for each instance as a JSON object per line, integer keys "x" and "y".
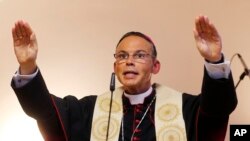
{"x": 129, "y": 84}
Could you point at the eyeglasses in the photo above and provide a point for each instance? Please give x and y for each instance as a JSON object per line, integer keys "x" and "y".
{"x": 140, "y": 57}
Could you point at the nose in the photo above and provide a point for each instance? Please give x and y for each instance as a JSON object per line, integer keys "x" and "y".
{"x": 130, "y": 60}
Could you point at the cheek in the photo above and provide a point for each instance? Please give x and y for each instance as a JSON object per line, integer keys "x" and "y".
{"x": 146, "y": 70}
{"x": 118, "y": 71}
{"x": 116, "y": 68}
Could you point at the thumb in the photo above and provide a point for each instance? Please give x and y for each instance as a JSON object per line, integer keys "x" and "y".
{"x": 33, "y": 40}
{"x": 198, "y": 39}
{"x": 196, "y": 35}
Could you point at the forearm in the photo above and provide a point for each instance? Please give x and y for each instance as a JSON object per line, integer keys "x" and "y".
{"x": 218, "y": 96}
{"x": 36, "y": 101}
{"x": 34, "y": 98}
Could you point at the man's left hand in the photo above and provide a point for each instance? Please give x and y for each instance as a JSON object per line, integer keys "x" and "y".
{"x": 207, "y": 39}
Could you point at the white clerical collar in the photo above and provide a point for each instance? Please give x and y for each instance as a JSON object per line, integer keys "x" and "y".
{"x": 138, "y": 98}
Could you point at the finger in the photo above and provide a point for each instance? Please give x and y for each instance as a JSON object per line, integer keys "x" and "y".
{"x": 26, "y": 32}
{"x": 203, "y": 25}
{"x": 210, "y": 29}
{"x": 197, "y": 25}
{"x": 14, "y": 35}
{"x": 213, "y": 30}
{"x": 197, "y": 39}
{"x": 22, "y": 29}
{"x": 19, "y": 30}
{"x": 30, "y": 33}
{"x": 27, "y": 29}
{"x": 196, "y": 35}
{"x": 33, "y": 40}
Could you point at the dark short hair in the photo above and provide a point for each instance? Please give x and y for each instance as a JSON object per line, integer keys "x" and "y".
{"x": 139, "y": 34}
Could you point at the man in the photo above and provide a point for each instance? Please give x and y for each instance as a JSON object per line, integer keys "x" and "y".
{"x": 140, "y": 110}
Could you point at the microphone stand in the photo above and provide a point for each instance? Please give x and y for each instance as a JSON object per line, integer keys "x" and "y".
{"x": 112, "y": 88}
{"x": 241, "y": 78}
{"x": 246, "y": 70}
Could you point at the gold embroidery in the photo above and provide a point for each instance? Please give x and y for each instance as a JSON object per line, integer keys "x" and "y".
{"x": 100, "y": 128}
{"x": 100, "y": 117}
{"x": 168, "y": 112}
{"x": 169, "y": 123}
{"x": 104, "y": 105}
{"x": 172, "y": 133}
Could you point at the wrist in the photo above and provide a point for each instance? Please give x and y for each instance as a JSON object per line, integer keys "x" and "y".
{"x": 27, "y": 69}
{"x": 217, "y": 62}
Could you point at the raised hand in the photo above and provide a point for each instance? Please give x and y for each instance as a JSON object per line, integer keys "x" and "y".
{"x": 207, "y": 39}
{"x": 25, "y": 46}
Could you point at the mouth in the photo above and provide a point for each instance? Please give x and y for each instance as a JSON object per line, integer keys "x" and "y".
{"x": 130, "y": 74}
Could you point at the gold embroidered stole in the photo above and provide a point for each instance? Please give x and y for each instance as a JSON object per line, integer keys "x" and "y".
{"x": 100, "y": 117}
{"x": 169, "y": 122}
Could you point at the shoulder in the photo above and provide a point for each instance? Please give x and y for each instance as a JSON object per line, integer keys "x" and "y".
{"x": 190, "y": 103}
{"x": 72, "y": 102}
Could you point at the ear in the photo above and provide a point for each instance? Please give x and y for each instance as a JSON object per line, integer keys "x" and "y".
{"x": 156, "y": 66}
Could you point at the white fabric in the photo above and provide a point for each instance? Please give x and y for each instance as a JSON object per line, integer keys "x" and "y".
{"x": 217, "y": 71}
{"x": 138, "y": 98}
{"x": 21, "y": 80}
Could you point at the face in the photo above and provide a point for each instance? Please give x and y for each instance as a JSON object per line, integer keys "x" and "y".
{"x": 133, "y": 73}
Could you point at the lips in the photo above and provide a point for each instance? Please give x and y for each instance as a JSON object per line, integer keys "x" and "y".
{"x": 130, "y": 74}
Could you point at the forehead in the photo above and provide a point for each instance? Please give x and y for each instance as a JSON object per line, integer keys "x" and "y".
{"x": 133, "y": 44}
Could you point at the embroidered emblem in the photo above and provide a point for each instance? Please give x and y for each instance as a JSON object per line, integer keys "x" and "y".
{"x": 104, "y": 105}
{"x": 172, "y": 133}
{"x": 100, "y": 128}
{"x": 168, "y": 112}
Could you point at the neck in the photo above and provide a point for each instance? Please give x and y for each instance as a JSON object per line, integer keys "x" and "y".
{"x": 135, "y": 90}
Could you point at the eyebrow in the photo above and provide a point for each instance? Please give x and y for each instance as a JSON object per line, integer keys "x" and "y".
{"x": 137, "y": 51}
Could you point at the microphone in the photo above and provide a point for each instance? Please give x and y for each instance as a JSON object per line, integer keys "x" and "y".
{"x": 112, "y": 88}
{"x": 112, "y": 82}
{"x": 246, "y": 70}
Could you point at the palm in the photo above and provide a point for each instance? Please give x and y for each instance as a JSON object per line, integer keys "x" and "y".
{"x": 25, "y": 50}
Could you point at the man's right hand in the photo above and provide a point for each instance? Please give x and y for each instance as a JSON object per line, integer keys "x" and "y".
{"x": 25, "y": 46}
